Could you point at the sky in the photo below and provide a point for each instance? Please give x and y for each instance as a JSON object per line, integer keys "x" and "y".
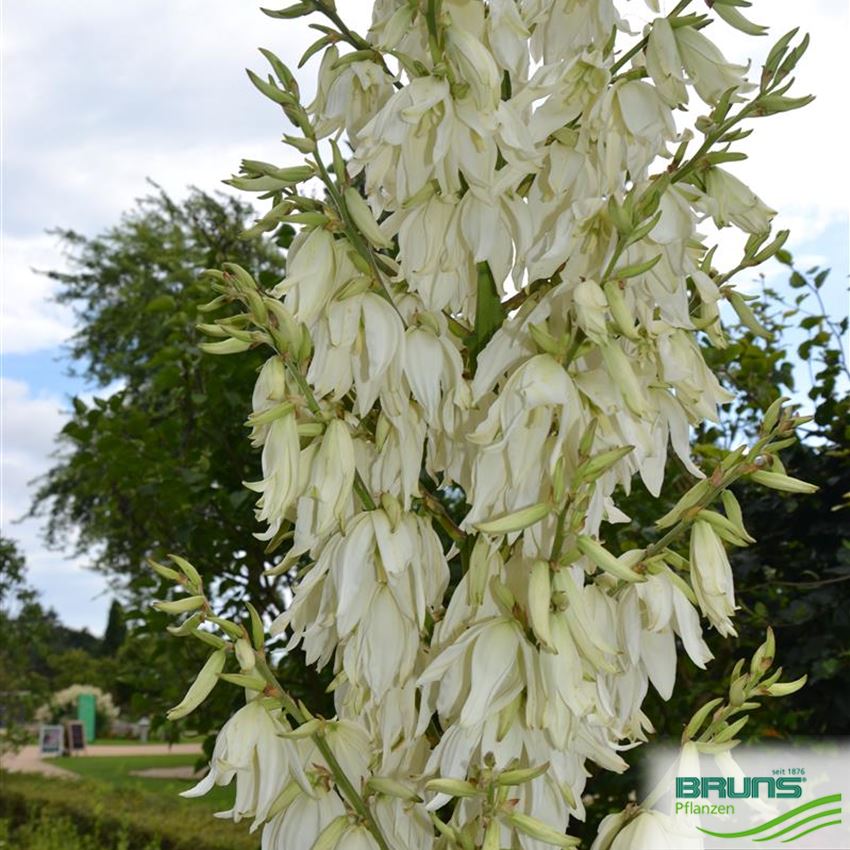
{"x": 100, "y": 96}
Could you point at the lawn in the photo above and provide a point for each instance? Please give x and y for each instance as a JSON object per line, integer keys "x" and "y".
{"x": 136, "y": 742}
{"x": 116, "y": 772}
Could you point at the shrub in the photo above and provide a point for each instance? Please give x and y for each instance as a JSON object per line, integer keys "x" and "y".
{"x": 56, "y": 814}
{"x": 65, "y": 701}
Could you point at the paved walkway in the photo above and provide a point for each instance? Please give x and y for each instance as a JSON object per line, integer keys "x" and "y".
{"x": 184, "y": 772}
{"x": 142, "y": 750}
{"x": 27, "y": 759}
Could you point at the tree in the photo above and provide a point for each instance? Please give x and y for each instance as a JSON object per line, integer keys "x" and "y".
{"x": 116, "y": 629}
{"x": 12, "y": 574}
{"x": 38, "y": 654}
{"x": 19, "y": 630}
{"x": 159, "y": 461}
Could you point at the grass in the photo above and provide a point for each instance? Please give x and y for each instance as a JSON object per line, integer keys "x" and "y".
{"x": 136, "y": 742}
{"x": 116, "y": 771}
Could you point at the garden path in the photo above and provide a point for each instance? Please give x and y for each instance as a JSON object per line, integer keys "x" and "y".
{"x": 28, "y": 760}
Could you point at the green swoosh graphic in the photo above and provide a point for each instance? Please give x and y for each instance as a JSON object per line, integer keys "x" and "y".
{"x": 821, "y": 801}
{"x": 800, "y": 823}
{"x": 820, "y": 826}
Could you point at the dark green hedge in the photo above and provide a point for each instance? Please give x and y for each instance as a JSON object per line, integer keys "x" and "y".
{"x": 133, "y": 819}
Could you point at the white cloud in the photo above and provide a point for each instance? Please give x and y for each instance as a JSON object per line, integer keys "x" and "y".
{"x": 28, "y": 427}
{"x": 30, "y": 424}
{"x": 796, "y": 158}
{"x": 102, "y": 96}
{"x": 130, "y": 91}
{"x": 30, "y": 321}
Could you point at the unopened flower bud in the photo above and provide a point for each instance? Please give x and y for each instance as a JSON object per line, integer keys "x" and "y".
{"x": 180, "y": 606}
{"x": 245, "y": 655}
{"x": 516, "y": 520}
{"x": 200, "y": 689}
{"x": 193, "y": 576}
{"x": 620, "y": 311}
{"x": 188, "y": 626}
{"x": 783, "y": 689}
{"x": 392, "y": 788}
{"x": 520, "y": 775}
{"x": 785, "y": 483}
{"x": 452, "y": 787}
{"x": 253, "y": 681}
{"x": 536, "y": 828}
{"x": 700, "y": 716}
{"x": 329, "y": 837}
{"x": 539, "y": 601}
{"x": 492, "y": 836}
{"x": 603, "y": 559}
{"x": 362, "y": 216}
{"x": 163, "y": 571}
{"x": 228, "y": 346}
{"x": 229, "y": 627}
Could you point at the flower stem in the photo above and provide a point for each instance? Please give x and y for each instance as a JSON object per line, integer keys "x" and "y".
{"x": 363, "y": 492}
{"x": 353, "y": 233}
{"x": 643, "y": 42}
{"x": 343, "y": 782}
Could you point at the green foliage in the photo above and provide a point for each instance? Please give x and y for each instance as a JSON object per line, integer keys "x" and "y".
{"x": 26, "y": 635}
{"x": 17, "y": 694}
{"x": 796, "y": 577}
{"x": 49, "y": 814}
{"x": 38, "y": 654}
{"x": 12, "y": 574}
{"x": 43, "y": 832}
{"x": 160, "y": 461}
{"x": 116, "y": 629}
{"x": 489, "y": 313}
{"x": 79, "y": 666}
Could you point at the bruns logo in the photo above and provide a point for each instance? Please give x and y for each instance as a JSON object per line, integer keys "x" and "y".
{"x": 728, "y": 787}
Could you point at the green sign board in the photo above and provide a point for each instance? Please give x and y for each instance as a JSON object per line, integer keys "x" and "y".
{"x": 86, "y": 714}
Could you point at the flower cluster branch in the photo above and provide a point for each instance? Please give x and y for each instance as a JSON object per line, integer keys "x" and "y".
{"x": 502, "y": 293}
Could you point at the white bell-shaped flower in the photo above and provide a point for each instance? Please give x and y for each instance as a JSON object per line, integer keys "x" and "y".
{"x": 729, "y": 201}
{"x": 301, "y": 823}
{"x": 711, "y": 576}
{"x": 646, "y": 830}
{"x": 485, "y": 666}
{"x": 327, "y": 497}
{"x": 708, "y": 70}
{"x": 249, "y": 748}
